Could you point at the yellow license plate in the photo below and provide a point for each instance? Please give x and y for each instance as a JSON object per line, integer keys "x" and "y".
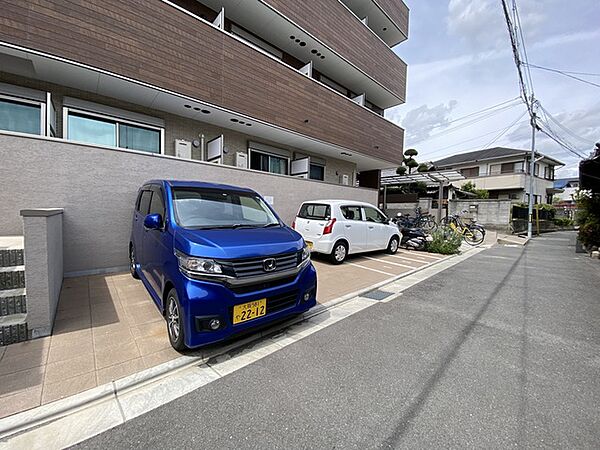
{"x": 249, "y": 311}
{"x": 309, "y": 244}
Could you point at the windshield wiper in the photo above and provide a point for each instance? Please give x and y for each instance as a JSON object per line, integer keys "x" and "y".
{"x": 242, "y": 225}
{"x": 275, "y": 224}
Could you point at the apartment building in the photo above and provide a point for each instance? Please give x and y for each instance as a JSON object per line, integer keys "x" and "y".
{"x": 504, "y": 173}
{"x": 282, "y": 96}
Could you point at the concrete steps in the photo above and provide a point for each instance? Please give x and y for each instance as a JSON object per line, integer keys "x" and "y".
{"x": 13, "y": 297}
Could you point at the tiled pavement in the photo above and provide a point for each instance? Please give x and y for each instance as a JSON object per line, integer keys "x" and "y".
{"x": 107, "y": 328}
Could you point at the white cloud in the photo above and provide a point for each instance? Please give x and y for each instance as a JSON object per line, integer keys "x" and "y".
{"x": 421, "y": 121}
{"x": 481, "y": 23}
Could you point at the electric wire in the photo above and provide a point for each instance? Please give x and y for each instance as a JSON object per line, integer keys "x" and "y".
{"x": 564, "y": 74}
{"x": 466, "y": 124}
{"x": 504, "y": 131}
{"x": 564, "y": 128}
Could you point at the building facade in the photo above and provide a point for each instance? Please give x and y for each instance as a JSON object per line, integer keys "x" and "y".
{"x": 504, "y": 173}
{"x": 285, "y": 97}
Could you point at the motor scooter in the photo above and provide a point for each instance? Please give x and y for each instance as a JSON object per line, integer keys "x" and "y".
{"x": 412, "y": 237}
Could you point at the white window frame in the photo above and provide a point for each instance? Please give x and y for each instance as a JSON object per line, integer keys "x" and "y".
{"x": 117, "y": 120}
{"x": 28, "y": 101}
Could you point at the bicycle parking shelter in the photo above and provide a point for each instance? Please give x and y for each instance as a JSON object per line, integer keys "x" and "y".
{"x": 439, "y": 178}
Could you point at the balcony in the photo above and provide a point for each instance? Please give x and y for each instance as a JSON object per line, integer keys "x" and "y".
{"x": 166, "y": 58}
{"x": 350, "y": 53}
{"x": 387, "y": 18}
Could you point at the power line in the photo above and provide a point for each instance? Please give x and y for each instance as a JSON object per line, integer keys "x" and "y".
{"x": 564, "y": 128}
{"x": 526, "y": 58}
{"x": 504, "y": 131}
{"x": 483, "y": 110}
{"x": 466, "y": 124}
{"x": 564, "y": 74}
{"x": 439, "y": 150}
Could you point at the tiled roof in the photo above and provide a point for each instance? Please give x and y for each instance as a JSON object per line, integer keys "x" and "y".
{"x": 478, "y": 155}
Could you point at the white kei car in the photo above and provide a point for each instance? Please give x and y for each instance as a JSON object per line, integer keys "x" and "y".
{"x": 342, "y": 227}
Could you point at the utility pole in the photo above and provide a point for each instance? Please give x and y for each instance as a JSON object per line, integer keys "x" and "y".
{"x": 531, "y": 171}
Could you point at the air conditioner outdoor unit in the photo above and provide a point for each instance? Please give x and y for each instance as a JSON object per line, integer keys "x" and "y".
{"x": 183, "y": 149}
{"x": 241, "y": 160}
{"x": 345, "y": 180}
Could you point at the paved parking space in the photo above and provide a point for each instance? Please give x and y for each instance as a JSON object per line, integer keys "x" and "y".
{"x": 107, "y": 328}
{"x": 361, "y": 271}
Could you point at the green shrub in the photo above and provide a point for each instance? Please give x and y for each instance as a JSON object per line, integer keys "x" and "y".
{"x": 445, "y": 241}
{"x": 588, "y": 217}
{"x": 563, "y": 222}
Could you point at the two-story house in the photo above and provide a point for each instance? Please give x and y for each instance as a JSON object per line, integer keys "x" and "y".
{"x": 504, "y": 173}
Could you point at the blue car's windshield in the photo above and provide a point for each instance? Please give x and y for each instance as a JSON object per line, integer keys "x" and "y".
{"x": 211, "y": 208}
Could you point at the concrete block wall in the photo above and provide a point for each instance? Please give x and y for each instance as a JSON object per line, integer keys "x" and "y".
{"x": 97, "y": 188}
{"x": 490, "y": 213}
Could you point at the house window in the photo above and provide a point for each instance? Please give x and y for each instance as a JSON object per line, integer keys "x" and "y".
{"x": 470, "y": 172}
{"x": 549, "y": 173}
{"x": 507, "y": 168}
{"x": 98, "y": 129}
{"x": 317, "y": 172}
{"x": 22, "y": 116}
{"x": 266, "y": 162}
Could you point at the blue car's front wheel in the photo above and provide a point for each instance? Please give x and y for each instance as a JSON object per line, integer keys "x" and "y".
{"x": 174, "y": 317}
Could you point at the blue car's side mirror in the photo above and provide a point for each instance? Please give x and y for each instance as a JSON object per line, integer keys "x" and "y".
{"x": 153, "y": 222}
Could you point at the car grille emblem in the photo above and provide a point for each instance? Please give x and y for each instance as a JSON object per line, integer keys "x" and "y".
{"x": 269, "y": 264}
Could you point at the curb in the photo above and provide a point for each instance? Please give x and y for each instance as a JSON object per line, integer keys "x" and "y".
{"x": 29, "y": 419}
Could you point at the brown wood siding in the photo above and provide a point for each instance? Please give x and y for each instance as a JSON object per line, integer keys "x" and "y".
{"x": 150, "y": 41}
{"x": 397, "y": 11}
{"x": 334, "y": 25}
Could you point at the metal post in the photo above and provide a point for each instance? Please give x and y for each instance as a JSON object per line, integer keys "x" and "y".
{"x": 385, "y": 198}
{"x": 531, "y": 178}
{"x": 440, "y": 201}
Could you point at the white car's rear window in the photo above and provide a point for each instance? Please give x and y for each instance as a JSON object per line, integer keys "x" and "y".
{"x": 317, "y": 211}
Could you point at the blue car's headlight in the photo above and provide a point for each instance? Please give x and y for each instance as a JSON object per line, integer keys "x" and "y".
{"x": 305, "y": 253}
{"x": 191, "y": 265}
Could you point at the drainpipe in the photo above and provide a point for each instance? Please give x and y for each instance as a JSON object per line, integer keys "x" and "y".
{"x": 202, "y": 158}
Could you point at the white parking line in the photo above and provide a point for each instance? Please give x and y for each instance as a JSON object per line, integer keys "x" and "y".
{"x": 420, "y": 255}
{"x": 374, "y": 270}
{"x": 424, "y": 261}
{"x": 389, "y": 262}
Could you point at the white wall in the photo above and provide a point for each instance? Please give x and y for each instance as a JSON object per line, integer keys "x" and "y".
{"x": 97, "y": 189}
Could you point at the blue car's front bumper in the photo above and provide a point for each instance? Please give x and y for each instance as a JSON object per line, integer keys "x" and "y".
{"x": 204, "y": 300}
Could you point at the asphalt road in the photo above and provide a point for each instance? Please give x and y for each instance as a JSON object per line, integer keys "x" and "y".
{"x": 501, "y": 350}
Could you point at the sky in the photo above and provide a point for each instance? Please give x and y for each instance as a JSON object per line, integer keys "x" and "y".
{"x": 460, "y": 62}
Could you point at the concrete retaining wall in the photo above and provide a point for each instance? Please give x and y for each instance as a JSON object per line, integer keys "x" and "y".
{"x": 97, "y": 188}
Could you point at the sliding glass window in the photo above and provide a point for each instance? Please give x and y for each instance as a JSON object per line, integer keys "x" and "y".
{"x": 268, "y": 163}
{"x": 22, "y": 116}
{"x": 112, "y": 132}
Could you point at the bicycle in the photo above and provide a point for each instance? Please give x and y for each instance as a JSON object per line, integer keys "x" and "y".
{"x": 472, "y": 233}
{"x": 423, "y": 221}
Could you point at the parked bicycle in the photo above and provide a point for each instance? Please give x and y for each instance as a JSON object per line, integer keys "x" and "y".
{"x": 420, "y": 220}
{"x": 472, "y": 233}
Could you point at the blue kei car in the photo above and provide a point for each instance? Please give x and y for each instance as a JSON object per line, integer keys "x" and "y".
{"x": 217, "y": 260}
